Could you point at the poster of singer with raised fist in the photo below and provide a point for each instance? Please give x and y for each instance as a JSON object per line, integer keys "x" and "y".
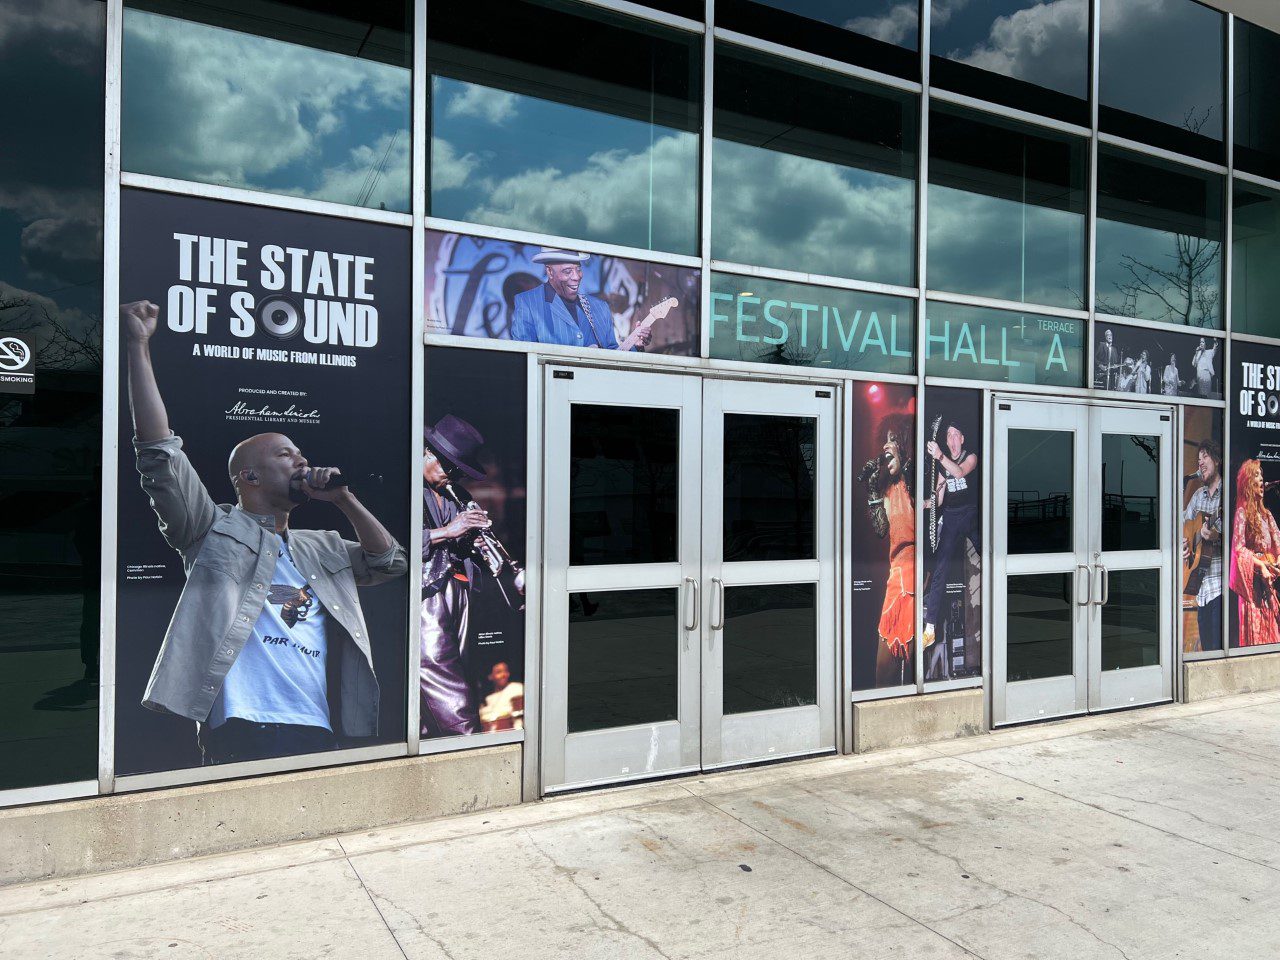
{"x": 473, "y": 579}
{"x": 262, "y": 585}
{"x": 509, "y": 290}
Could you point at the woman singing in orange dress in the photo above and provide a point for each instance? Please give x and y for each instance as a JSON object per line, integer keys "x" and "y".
{"x": 891, "y": 503}
{"x": 1255, "y": 545}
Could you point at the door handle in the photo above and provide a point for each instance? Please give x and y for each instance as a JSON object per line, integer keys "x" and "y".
{"x": 697, "y": 608}
{"x": 717, "y": 606}
{"x": 1087, "y": 580}
{"x": 1106, "y": 585}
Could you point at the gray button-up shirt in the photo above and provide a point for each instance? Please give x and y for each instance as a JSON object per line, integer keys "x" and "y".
{"x": 229, "y": 557}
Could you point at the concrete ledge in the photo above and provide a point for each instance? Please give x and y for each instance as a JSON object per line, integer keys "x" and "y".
{"x": 903, "y": 721}
{"x": 132, "y": 829}
{"x": 1206, "y": 679}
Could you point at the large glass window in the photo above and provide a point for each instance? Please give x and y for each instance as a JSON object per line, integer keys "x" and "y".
{"x": 290, "y": 98}
{"x": 51, "y": 68}
{"x": 1255, "y": 261}
{"x": 1028, "y": 54}
{"x": 1160, "y": 74}
{"x": 812, "y": 172}
{"x": 881, "y": 35}
{"x": 601, "y": 146}
{"x": 1257, "y": 121}
{"x": 1160, "y": 229}
{"x": 1006, "y": 210}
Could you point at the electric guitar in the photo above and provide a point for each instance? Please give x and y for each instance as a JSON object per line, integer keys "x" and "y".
{"x": 658, "y": 312}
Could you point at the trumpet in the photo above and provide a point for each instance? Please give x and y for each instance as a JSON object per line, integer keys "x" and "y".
{"x": 506, "y": 572}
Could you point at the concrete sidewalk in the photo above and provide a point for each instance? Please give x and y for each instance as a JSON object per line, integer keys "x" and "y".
{"x": 1149, "y": 834}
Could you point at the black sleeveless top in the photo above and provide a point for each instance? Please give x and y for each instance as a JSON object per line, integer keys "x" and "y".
{"x": 961, "y": 491}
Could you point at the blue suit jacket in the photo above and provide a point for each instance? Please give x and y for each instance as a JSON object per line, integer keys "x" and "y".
{"x": 537, "y": 320}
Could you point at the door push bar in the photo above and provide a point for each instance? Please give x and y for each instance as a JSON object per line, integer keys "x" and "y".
{"x": 717, "y": 604}
{"x": 697, "y": 610}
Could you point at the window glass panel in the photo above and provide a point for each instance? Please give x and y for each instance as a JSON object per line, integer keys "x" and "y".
{"x": 624, "y": 477}
{"x": 1029, "y": 54}
{"x": 623, "y": 658}
{"x": 1130, "y": 492}
{"x": 1131, "y": 620}
{"x": 773, "y": 321}
{"x": 525, "y": 135}
{"x": 1039, "y": 640}
{"x": 978, "y": 343}
{"x": 52, "y": 67}
{"x": 297, "y": 99}
{"x": 1160, "y": 74}
{"x": 1255, "y": 261}
{"x": 1160, "y": 229}
{"x": 770, "y": 647}
{"x": 1041, "y": 475}
{"x": 814, "y": 172}
{"x": 1257, "y": 121}
{"x": 768, "y": 487}
{"x": 1006, "y": 211}
{"x": 881, "y": 35}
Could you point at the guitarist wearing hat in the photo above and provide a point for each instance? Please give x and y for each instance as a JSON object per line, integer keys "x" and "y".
{"x": 559, "y": 312}
{"x": 1205, "y": 574}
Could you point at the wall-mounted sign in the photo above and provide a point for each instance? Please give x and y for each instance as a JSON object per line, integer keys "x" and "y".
{"x": 978, "y": 343}
{"x": 771, "y": 321}
{"x": 17, "y": 364}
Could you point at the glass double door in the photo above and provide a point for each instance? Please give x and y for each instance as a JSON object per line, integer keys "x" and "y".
{"x": 689, "y": 604}
{"x": 1083, "y": 552}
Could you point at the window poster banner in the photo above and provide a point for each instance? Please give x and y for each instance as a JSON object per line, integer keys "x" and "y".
{"x": 1255, "y": 466}
{"x": 1143, "y": 360}
{"x": 977, "y": 343}
{"x": 1202, "y": 529}
{"x": 508, "y": 290}
{"x": 471, "y": 675}
{"x": 952, "y": 604}
{"x": 882, "y": 531}
{"x": 264, "y": 483}
{"x": 771, "y": 321}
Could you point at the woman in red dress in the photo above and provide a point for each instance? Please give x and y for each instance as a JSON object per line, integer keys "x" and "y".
{"x": 1255, "y": 545}
{"x": 893, "y": 514}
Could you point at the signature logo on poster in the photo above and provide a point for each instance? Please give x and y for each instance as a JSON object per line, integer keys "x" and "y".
{"x": 291, "y": 413}
{"x": 14, "y": 354}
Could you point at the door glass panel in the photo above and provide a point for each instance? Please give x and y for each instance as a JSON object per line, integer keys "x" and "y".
{"x": 1041, "y": 472}
{"x": 623, "y": 658}
{"x": 1131, "y": 620}
{"x": 768, "y": 487}
{"x": 770, "y": 647}
{"x": 623, "y": 485}
{"x": 1130, "y": 492}
{"x": 1039, "y": 643}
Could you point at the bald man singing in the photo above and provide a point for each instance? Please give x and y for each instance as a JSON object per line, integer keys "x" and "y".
{"x": 268, "y": 629}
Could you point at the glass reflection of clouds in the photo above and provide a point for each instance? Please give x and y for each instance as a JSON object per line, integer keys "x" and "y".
{"x": 511, "y": 160}
{"x": 216, "y": 105}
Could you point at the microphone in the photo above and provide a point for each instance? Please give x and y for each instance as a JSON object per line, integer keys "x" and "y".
{"x": 1269, "y": 484}
{"x": 341, "y": 480}
{"x": 1189, "y": 477}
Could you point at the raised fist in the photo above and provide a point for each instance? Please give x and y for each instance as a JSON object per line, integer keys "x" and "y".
{"x": 139, "y": 319}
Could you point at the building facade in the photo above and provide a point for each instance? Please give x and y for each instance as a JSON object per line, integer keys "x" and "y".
{"x": 690, "y": 374}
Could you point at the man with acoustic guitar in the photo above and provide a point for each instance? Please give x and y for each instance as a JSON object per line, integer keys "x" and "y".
{"x": 1202, "y": 546}
{"x": 559, "y": 312}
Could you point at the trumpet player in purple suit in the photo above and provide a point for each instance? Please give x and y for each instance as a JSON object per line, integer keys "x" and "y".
{"x": 457, "y": 553}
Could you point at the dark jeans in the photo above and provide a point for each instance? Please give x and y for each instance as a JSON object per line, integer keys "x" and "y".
{"x": 238, "y": 740}
{"x": 958, "y": 525}
{"x": 1209, "y": 621}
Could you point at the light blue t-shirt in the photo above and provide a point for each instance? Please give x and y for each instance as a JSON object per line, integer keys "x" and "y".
{"x": 280, "y": 675}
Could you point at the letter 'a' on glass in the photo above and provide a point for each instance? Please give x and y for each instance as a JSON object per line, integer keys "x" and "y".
{"x": 881, "y": 35}
{"x": 1006, "y": 210}
{"x": 1161, "y": 75}
{"x": 1031, "y": 55}
{"x": 1257, "y": 80}
{"x": 1255, "y": 261}
{"x": 1159, "y": 236}
{"x": 304, "y": 99}
{"x": 813, "y": 171}
{"x": 565, "y": 119}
